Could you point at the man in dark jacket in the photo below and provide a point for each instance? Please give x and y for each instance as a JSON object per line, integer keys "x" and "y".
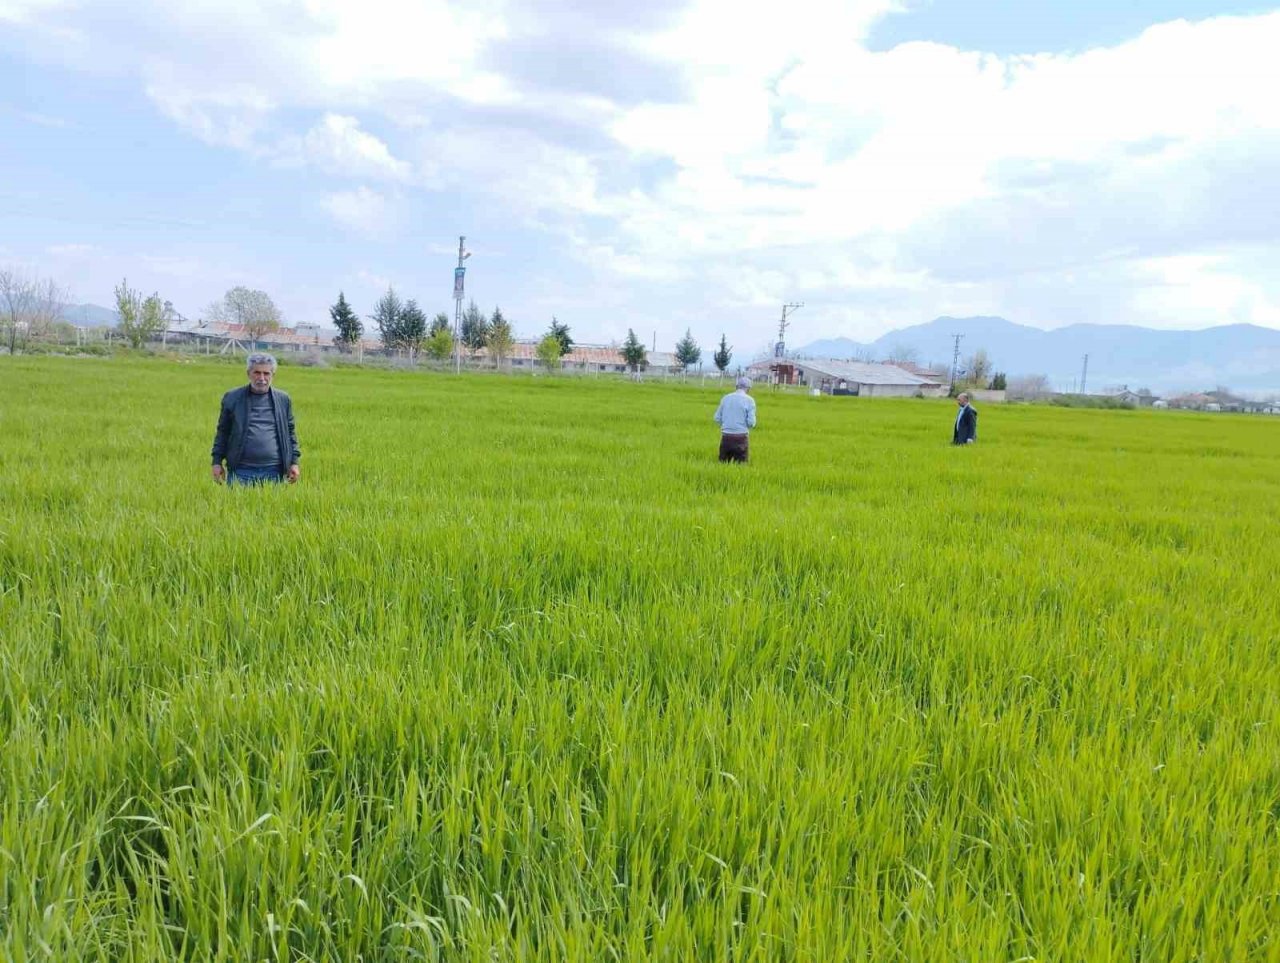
{"x": 255, "y": 435}
{"x": 966, "y": 430}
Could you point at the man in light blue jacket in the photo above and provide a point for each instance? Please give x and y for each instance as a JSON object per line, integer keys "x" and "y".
{"x": 736, "y": 416}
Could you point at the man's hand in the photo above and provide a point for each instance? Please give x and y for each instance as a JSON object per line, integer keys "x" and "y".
{"x": 219, "y": 474}
{"x": 293, "y": 474}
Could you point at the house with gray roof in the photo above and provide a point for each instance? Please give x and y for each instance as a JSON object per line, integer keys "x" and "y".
{"x": 860, "y": 378}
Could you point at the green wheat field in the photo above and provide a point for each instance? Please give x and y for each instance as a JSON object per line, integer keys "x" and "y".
{"x": 520, "y": 672}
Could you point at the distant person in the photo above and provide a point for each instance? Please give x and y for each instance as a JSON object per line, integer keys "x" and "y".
{"x": 736, "y": 416}
{"x": 255, "y": 435}
{"x": 966, "y": 430}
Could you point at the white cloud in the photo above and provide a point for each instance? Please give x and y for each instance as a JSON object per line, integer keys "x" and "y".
{"x": 70, "y": 250}
{"x": 878, "y": 141}
{"x": 27, "y": 11}
{"x": 526, "y": 172}
{"x": 363, "y": 210}
{"x": 373, "y": 279}
{"x": 781, "y": 171}
{"x": 43, "y": 120}
{"x": 785, "y": 159}
{"x": 181, "y": 266}
{"x": 1196, "y": 287}
{"x": 233, "y": 114}
{"x": 339, "y": 146}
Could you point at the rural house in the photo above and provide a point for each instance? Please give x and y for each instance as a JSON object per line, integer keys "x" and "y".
{"x": 860, "y": 378}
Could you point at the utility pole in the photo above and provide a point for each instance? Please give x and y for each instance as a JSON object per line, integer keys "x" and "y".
{"x": 1084, "y": 374}
{"x": 955, "y": 361}
{"x": 459, "y": 274}
{"x": 791, "y": 307}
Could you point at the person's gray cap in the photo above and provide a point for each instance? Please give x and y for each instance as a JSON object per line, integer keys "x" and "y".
{"x": 744, "y": 383}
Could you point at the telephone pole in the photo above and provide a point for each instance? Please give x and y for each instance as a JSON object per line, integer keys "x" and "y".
{"x": 791, "y": 307}
{"x": 955, "y": 361}
{"x": 1084, "y": 374}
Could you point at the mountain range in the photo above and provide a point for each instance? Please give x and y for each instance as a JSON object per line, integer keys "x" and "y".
{"x": 1243, "y": 357}
{"x": 90, "y": 315}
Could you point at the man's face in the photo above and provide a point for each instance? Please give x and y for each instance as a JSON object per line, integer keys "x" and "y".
{"x": 962, "y": 400}
{"x": 260, "y": 378}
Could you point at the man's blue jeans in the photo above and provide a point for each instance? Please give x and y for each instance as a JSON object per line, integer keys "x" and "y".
{"x": 254, "y": 476}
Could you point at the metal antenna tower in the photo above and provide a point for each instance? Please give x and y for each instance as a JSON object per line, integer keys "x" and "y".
{"x": 955, "y": 360}
{"x": 1084, "y": 374}
{"x": 458, "y": 275}
{"x": 788, "y": 309}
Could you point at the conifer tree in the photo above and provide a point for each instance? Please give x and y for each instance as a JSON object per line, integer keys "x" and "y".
{"x": 348, "y": 323}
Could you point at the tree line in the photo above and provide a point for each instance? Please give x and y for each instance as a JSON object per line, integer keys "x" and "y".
{"x": 687, "y": 352}
{"x": 30, "y": 307}
{"x": 403, "y": 326}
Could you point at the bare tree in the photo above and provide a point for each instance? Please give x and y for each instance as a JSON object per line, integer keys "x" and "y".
{"x": 1029, "y": 387}
{"x": 978, "y": 368}
{"x": 254, "y": 310}
{"x": 29, "y": 306}
{"x": 902, "y": 354}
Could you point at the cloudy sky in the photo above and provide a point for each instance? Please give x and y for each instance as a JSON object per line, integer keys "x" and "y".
{"x": 656, "y": 165}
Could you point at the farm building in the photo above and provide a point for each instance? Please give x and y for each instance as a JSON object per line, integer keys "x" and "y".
{"x": 864, "y": 379}
{"x": 1140, "y": 398}
{"x": 235, "y": 337}
{"x": 928, "y": 374}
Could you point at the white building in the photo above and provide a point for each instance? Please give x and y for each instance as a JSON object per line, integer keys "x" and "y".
{"x": 864, "y": 379}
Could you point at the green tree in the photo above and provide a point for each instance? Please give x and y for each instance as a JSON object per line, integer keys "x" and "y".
{"x": 413, "y": 326}
{"x": 687, "y": 351}
{"x": 140, "y": 317}
{"x": 475, "y": 328}
{"x": 387, "y": 315}
{"x": 723, "y": 355}
{"x": 548, "y": 351}
{"x": 500, "y": 339}
{"x": 561, "y": 333}
{"x": 348, "y": 323}
{"x": 439, "y": 345}
{"x": 998, "y": 381}
{"x": 633, "y": 351}
{"x": 441, "y": 322}
{"x": 251, "y": 309}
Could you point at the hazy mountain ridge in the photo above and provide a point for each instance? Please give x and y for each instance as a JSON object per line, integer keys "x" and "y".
{"x": 90, "y": 315}
{"x": 1244, "y": 357}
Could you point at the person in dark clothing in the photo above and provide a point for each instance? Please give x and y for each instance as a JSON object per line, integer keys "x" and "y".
{"x": 966, "y": 429}
{"x": 256, "y": 437}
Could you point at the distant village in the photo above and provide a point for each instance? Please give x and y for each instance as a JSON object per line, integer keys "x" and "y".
{"x": 897, "y": 378}
{"x": 866, "y": 379}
